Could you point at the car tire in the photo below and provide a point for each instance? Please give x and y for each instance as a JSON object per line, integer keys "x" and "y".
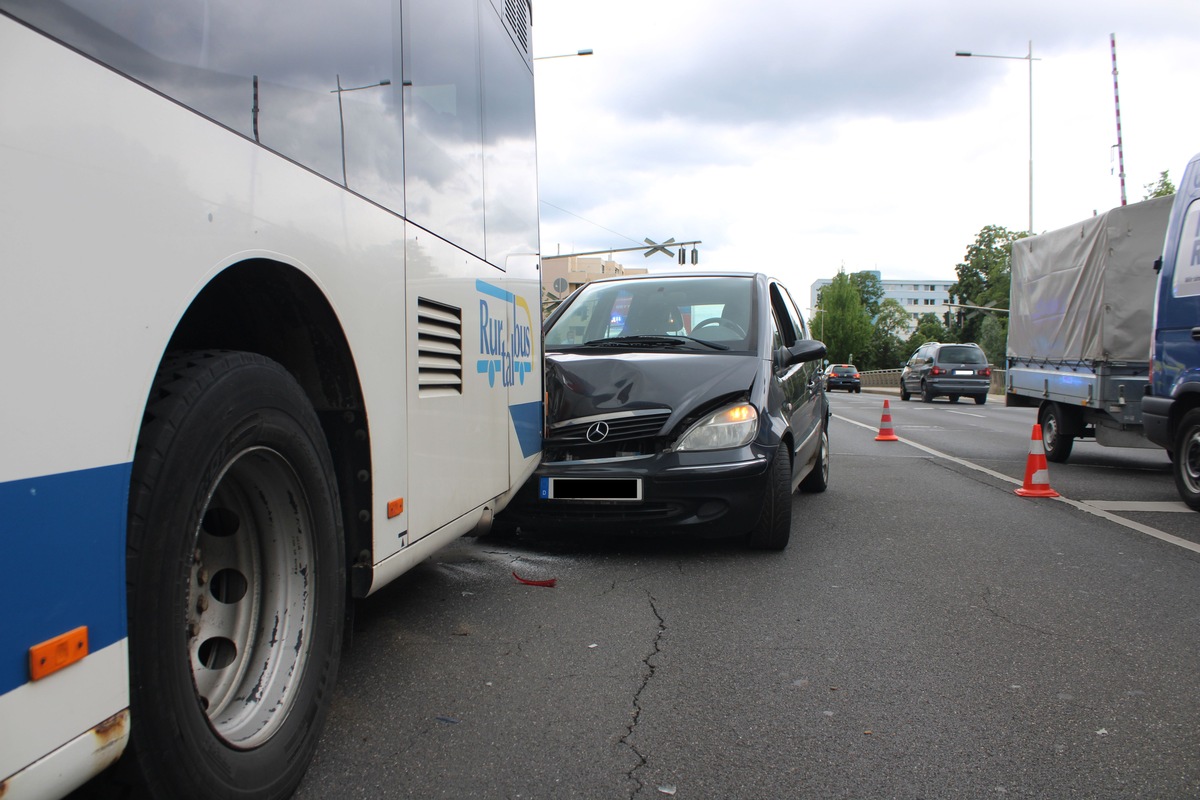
{"x": 1186, "y": 461}
{"x": 1055, "y": 442}
{"x": 926, "y": 393}
{"x": 236, "y": 586}
{"x": 773, "y": 528}
{"x": 818, "y": 480}
{"x": 904, "y": 395}
{"x": 980, "y": 399}
{"x": 953, "y": 398}
{"x": 858, "y": 390}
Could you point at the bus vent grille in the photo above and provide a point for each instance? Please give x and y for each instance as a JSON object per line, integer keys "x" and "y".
{"x": 439, "y": 349}
{"x": 518, "y": 13}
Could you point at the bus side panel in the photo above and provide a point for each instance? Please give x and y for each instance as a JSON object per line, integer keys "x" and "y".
{"x": 62, "y": 568}
{"x": 525, "y": 392}
{"x": 458, "y": 451}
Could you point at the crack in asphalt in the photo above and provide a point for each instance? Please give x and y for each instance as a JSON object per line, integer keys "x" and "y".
{"x": 647, "y": 674}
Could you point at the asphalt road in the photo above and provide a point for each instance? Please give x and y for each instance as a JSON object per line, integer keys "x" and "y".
{"x": 927, "y": 634}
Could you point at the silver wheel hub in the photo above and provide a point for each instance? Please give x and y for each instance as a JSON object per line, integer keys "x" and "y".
{"x": 250, "y": 597}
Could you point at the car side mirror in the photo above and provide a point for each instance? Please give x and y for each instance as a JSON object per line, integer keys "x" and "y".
{"x": 802, "y": 351}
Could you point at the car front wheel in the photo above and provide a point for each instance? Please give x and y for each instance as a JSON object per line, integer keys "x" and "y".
{"x": 773, "y": 528}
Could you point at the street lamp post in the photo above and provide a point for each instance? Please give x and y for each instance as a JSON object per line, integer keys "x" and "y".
{"x": 586, "y": 52}
{"x": 1029, "y": 57}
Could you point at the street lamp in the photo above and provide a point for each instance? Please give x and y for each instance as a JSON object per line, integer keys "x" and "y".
{"x": 342, "y": 120}
{"x": 586, "y": 52}
{"x": 1030, "y": 59}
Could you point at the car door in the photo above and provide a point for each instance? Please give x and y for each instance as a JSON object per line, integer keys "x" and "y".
{"x": 801, "y": 383}
{"x": 912, "y": 373}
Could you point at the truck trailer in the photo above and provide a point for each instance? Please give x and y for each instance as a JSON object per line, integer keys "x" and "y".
{"x": 1080, "y": 325}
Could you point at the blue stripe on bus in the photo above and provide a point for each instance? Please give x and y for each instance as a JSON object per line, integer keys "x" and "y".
{"x": 483, "y": 287}
{"x": 62, "y": 562}
{"x": 527, "y": 420}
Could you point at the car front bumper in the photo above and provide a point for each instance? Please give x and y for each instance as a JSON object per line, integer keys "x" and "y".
{"x": 705, "y": 494}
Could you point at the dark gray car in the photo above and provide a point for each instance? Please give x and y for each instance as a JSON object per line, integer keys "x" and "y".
{"x": 949, "y": 370}
{"x": 685, "y": 403}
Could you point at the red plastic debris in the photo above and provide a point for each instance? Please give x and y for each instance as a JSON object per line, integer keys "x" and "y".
{"x": 529, "y": 582}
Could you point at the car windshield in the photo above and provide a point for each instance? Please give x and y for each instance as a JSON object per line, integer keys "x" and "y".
{"x": 686, "y": 313}
{"x": 844, "y": 370}
{"x": 962, "y": 355}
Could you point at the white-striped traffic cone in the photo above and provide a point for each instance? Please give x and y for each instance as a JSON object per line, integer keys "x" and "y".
{"x": 886, "y": 434}
{"x": 1037, "y": 472}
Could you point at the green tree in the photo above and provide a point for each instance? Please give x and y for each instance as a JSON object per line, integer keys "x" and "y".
{"x": 870, "y": 290}
{"x": 929, "y": 329}
{"x": 886, "y": 348}
{"x": 993, "y": 338}
{"x": 1162, "y": 188}
{"x": 984, "y": 278}
{"x": 841, "y": 321}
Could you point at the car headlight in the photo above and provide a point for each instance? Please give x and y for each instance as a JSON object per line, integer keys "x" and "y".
{"x": 732, "y": 426}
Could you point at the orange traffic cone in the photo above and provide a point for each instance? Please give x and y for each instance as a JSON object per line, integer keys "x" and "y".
{"x": 1037, "y": 474}
{"x": 886, "y": 434}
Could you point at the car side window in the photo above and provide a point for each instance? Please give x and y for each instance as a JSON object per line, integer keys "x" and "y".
{"x": 791, "y": 323}
{"x": 794, "y": 313}
{"x": 788, "y": 330}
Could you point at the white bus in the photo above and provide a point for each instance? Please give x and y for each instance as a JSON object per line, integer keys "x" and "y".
{"x": 269, "y": 312}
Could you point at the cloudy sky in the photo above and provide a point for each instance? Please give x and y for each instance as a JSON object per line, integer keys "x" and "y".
{"x": 796, "y": 138}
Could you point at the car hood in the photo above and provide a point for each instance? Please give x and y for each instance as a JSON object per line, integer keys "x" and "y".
{"x": 585, "y": 385}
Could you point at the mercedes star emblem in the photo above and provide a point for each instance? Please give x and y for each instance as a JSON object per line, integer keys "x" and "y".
{"x": 597, "y": 432}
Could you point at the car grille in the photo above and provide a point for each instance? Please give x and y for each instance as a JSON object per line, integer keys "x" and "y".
{"x": 621, "y": 427}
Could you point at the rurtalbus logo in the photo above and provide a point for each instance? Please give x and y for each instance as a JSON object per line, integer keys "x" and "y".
{"x": 504, "y": 350}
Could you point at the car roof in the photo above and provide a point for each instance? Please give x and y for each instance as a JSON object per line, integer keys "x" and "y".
{"x": 692, "y": 274}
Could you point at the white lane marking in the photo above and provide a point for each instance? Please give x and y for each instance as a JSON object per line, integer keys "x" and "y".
{"x": 1082, "y": 506}
{"x": 965, "y": 413}
{"x": 1139, "y": 505}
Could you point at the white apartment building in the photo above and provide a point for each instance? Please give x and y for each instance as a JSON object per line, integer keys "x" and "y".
{"x": 917, "y": 296}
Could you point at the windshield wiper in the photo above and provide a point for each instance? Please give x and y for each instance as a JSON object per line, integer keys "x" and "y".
{"x": 651, "y": 340}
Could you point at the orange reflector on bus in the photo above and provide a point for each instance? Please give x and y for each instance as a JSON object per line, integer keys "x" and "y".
{"x": 395, "y": 507}
{"x": 54, "y": 654}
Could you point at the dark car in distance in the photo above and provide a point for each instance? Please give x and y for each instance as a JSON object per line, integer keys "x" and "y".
{"x": 951, "y": 370}
{"x": 843, "y": 376}
{"x": 678, "y": 403}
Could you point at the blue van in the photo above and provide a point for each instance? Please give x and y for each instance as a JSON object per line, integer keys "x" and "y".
{"x": 1171, "y": 408}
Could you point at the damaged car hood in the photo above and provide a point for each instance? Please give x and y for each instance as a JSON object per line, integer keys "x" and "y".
{"x": 586, "y": 385}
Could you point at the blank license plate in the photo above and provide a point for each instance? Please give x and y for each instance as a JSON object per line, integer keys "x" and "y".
{"x": 964, "y": 372}
{"x": 619, "y": 489}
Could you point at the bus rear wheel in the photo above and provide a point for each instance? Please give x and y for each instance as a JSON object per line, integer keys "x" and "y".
{"x": 235, "y": 580}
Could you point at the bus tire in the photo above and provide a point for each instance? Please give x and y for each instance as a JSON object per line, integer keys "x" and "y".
{"x": 235, "y": 581}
